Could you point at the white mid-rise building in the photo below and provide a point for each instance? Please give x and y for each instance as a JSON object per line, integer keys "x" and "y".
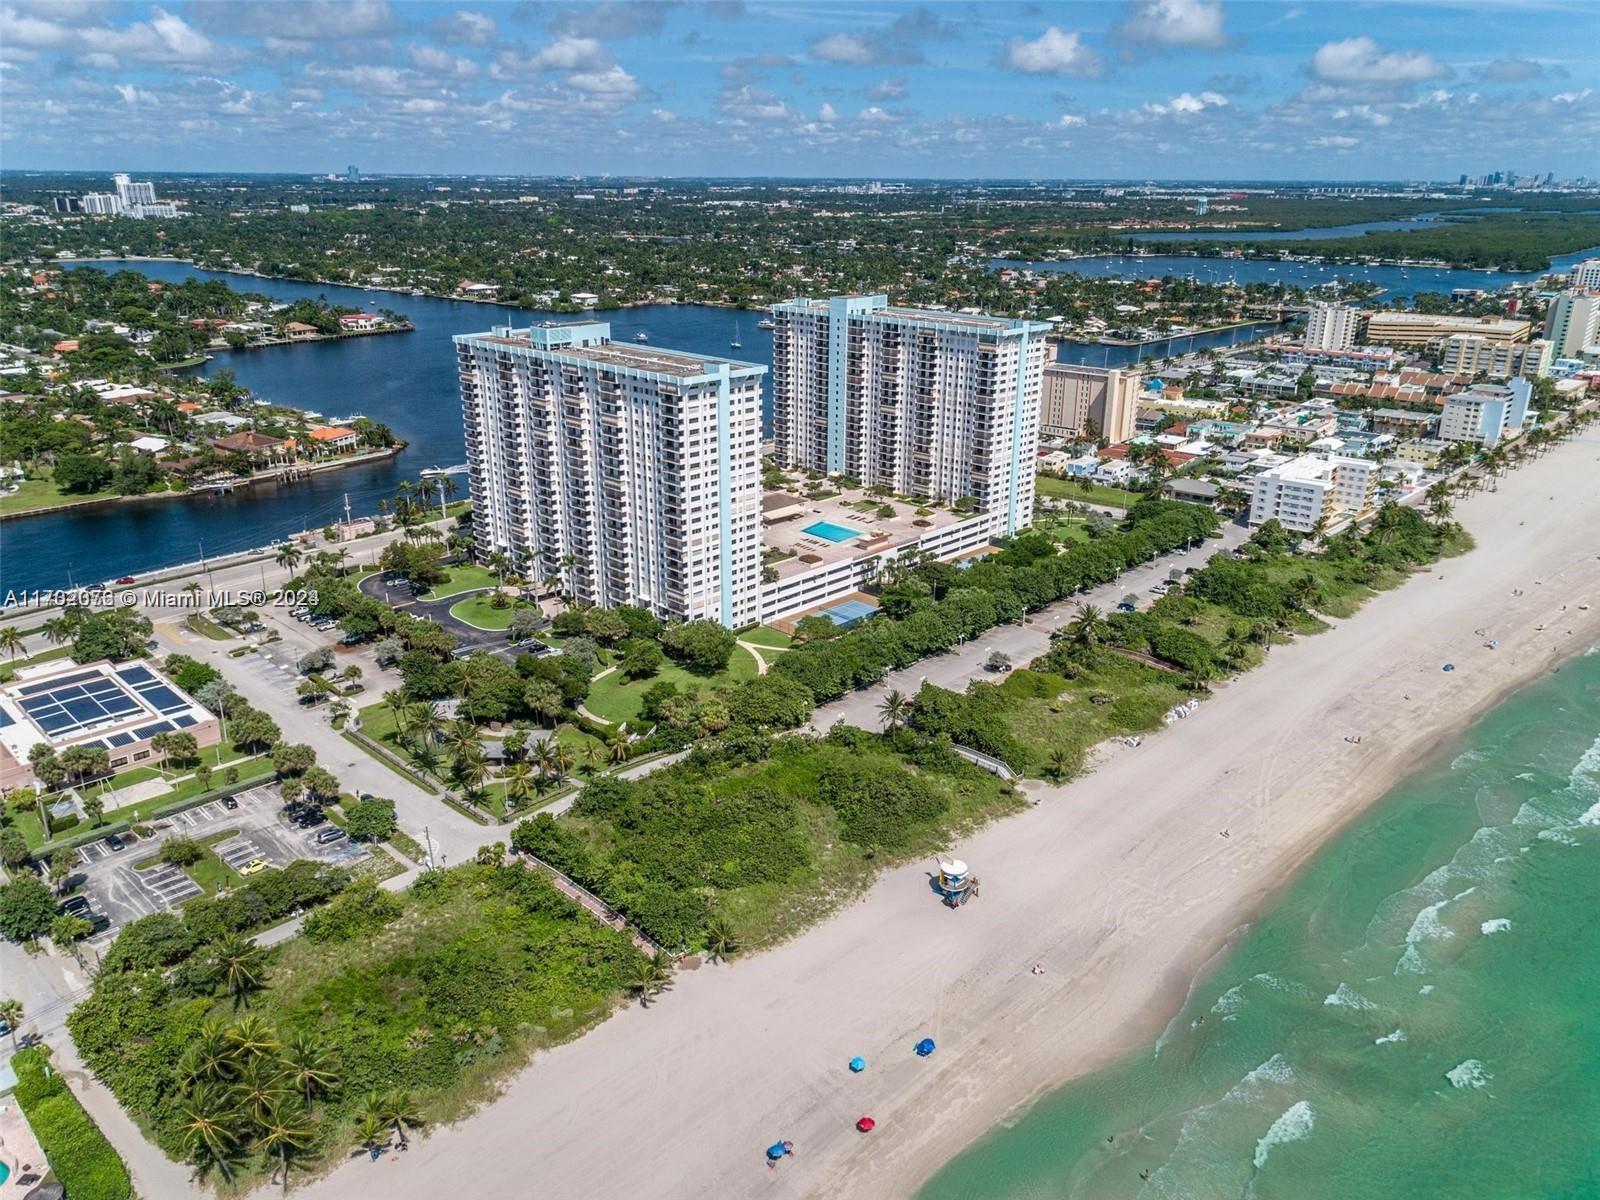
{"x": 1586, "y": 274}
{"x": 632, "y": 472}
{"x": 937, "y": 405}
{"x": 1332, "y": 327}
{"x": 1486, "y": 413}
{"x": 1572, "y": 322}
{"x": 1313, "y": 488}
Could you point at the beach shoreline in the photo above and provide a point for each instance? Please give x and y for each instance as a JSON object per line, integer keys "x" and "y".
{"x": 1119, "y": 883}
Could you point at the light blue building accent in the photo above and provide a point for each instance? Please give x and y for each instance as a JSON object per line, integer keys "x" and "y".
{"x": 725, "y": 493}
{"x": 840, "y": 310}
{"x": 1016, "y": 424}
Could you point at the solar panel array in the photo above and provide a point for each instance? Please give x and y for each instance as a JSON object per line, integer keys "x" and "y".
{"x": 63, "y": 707}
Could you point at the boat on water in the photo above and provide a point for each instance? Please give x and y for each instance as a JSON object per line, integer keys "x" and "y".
{"x": 766, "y": 323}
{"x": 736, "y": 343}
{"x": 641, "y": 336}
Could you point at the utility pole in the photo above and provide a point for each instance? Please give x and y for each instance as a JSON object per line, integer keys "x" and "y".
{"x": 428, "y": 837}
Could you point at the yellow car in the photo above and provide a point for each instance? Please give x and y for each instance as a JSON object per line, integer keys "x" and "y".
{"x": 253, "y": 866}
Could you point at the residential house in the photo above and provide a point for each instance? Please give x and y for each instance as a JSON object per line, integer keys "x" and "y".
{"x": 334, "y": 439}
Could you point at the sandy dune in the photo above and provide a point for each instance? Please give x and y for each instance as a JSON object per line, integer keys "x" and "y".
{"x": 1119, "y": 883}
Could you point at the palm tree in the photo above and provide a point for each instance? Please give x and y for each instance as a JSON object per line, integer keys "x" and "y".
{"x": 560, "y": 760}
{"x": 209, "y": 1125}
{"x": 461, "y": 738}
{"x": 1087, "y": 627}
{"x": 617, "y": 747}
{"x": 593, "y": 756}
{"x": 394, "y": 1108}
{"x": 261, "y": 1087}
{"x": 60, "y": 631}
{"x": 288, "y": 556}
{"x": 471, "y": 770}
{"x": 284, "y": 1133}
{"x": 721, "y": 942}
{"x": 209, "y": 1058}
{"x": 252, "y": 1037}
{"x": 243, "y": 966}
{"x": 1234, "y": 642}
{"x": 373, "y": 1131}
{"x": 542, "y": 758}
{"x": 11, "y": 641}
{"x": 1060, "y": 764}
{"x": 310, "y": 1066}
{"x": 192, "y": 588}
{"x": 893, "y": 710}
{"x": 519, "y": 784}
{"x": 651, "y": 975}
{"x": 11, "y": 1012}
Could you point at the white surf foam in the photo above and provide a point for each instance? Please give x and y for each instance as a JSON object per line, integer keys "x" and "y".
{"x": 1399, "y": 1035}
{"x": 1497, "y": 925}
{"x": 1345, "y": 996}
{"x": 1469, "y": 1074}
{"x": 1295, "y": 1125}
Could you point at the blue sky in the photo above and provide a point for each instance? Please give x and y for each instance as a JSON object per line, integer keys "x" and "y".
{"x": 1155, "y": 89}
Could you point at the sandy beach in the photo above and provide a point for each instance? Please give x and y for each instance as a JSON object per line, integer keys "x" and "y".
{"x": 1120, "y": 883}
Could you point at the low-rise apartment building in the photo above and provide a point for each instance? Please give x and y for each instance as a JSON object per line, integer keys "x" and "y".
{"x": 1404, "y": 328}
{"x": 1313, "y": 489}
{"x": 1474, "y": 354}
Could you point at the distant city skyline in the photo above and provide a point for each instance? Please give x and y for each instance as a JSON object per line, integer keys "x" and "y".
{"x": 1144, "y": 89}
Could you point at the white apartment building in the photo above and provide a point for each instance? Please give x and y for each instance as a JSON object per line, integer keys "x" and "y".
{"x": 1572, "y": 322}
{"x": 1586, "y": 274}
{"x": 1470, "y": 354}
{"x": 632, "y": 471}
{"x": 937, "y": 405}
{"x": 131, "y": 193}
{"x": 1486, "y": 413}
{"x": 1332, "y": 327}
{"x": 1313, "y": 488}
{"x": 1075, "y": 399}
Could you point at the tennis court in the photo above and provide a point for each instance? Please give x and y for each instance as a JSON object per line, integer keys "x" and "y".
{"x": 847, "y": 612}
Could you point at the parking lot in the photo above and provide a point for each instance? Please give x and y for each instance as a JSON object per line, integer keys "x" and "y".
{"x": 117, "y": 886}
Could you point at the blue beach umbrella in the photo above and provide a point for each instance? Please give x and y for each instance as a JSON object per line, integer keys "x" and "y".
{"x": 777, "y": 1150}
{"x": 926, "y": 1047}
{"x": 858, "y": 1064}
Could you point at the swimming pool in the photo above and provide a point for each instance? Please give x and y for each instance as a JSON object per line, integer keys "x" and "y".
{"x": 834, "y": 533}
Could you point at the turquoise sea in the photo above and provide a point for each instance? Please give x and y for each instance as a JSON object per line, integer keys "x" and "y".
{"x": 1417, "y": 1017}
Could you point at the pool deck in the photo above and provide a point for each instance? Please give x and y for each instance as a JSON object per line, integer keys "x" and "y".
{"x": 807, "y": 551}
{"x": 19, "y": 1150}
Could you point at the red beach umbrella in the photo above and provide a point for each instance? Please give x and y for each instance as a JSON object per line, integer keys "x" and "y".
{"x": 866, "y": 1125}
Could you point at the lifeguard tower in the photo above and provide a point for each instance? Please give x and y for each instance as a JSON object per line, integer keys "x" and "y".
{"x": 955, "y": 883}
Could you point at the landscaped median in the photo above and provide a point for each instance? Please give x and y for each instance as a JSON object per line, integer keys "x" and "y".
{"x": 84, "y": 1163}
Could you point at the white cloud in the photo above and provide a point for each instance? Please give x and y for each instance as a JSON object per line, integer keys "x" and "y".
{"x": 134, "y": 97}
{"x": 571, "y": 54}
{"x": 873, "y": 115}
{"x": 1053, "y": 53}
{"x": 1572, "y": 97}
{"x": 847, "y": 49}
{"x": 612, "y": 84}
{"x": 827, "y": 114}
{"x": 1186, "y": 103}
{"x": 1070, "y": 121}
{"x": 1360, "y": 60}
{"x": 1189, "y": 23}
{"x": 441, "y": 62}
{"x": 664, "y": 116}
{"x": 1336, "y": 141}
{"x": 465, "y": 28}
{"x": 888, "y": 89}
{"x": 297, "y": 20}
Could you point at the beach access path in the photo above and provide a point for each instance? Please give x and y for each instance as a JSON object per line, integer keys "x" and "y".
{"x": 1118, "y": 883}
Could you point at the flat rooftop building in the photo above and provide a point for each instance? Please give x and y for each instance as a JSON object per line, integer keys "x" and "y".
{"x": 938, "y": 405}
{"x": 1419, "y": 329}
{"x": 115, "y": 707}
{"x": 631, "y": 472}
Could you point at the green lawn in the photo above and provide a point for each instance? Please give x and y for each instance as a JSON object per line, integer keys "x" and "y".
{"x": 1088, "y": 493}
{"x": 479, "y": 612}
{"x": 41, "y": 492}
{"x": 773, "y": 639}
{"x": 207, "y": 627}
{"x": 1066, "y": 530}
{"x": 617, "y": 699}
{"x": 467, "y": 578}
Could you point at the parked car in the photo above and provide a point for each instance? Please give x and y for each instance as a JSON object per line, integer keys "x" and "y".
{"x": 229, "y": 803}
{"x": 115, "y": 842}
{"x": 254, "y": 867}
{"x": 1127, "y": 606}
{"x": 331, "y": 834}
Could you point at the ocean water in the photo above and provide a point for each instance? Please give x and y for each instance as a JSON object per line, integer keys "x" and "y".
{"x": 1418, "y": 1016}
